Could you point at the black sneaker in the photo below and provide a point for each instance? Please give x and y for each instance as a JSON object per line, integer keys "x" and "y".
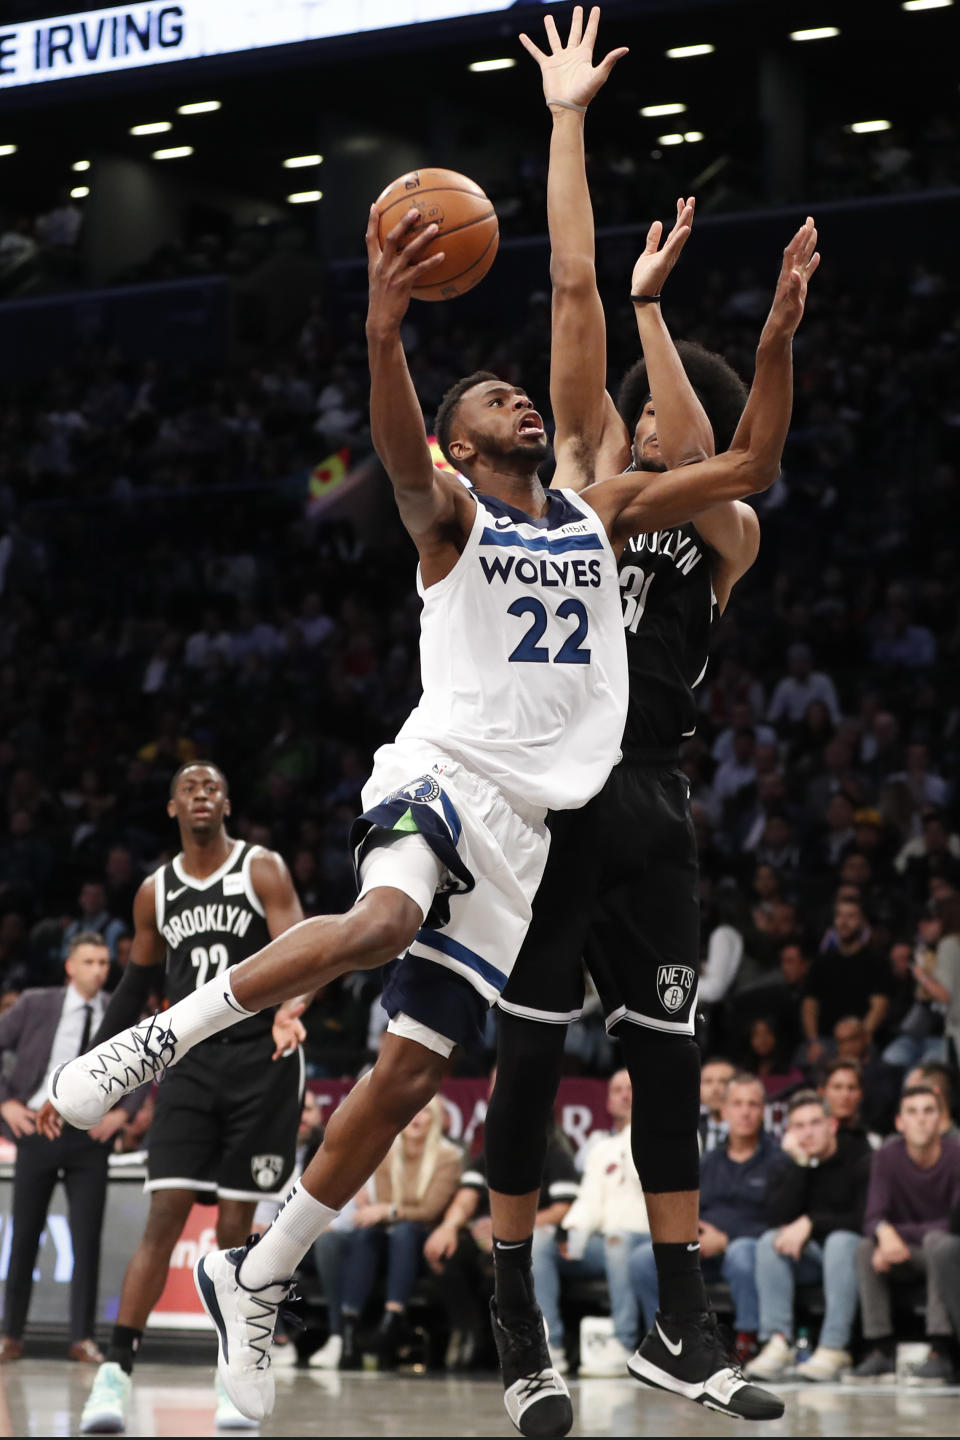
{"x": 688, "y": 1356}
{"x": 536, "y": 1398}
{"x": 877, "y": 1368}
{"x": 937, "y": 1369}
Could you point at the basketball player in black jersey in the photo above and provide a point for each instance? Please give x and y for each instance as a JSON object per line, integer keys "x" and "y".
{"x": 620, "y": 889}
{"x": 225, "y": 1125}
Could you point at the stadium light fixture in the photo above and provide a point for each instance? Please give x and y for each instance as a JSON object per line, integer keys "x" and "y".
{"x": 8, "y": 149}
{"x": 79, "y": 192}
{"x": 649, "y": 111}
{"x": 925, "y": 4}
{"x": 692, "y": 137}
{"x": 155, "y": 127}
{"x": 80, "y": 165}
{"x": 198, "y": 107}
{"x": 686, "y": 52}
{"x": 819, "y": 32}
{"x": 174, "y": 152}
{"x": 480, "y": 67}
{"x": 867, "y": 127}
{"x": 670, "y": 139}
{"x": 304, "y": 197}
{"x": 300, "y": 162}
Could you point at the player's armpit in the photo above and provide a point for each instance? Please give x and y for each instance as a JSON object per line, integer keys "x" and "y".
{"x": 732, "y": 532}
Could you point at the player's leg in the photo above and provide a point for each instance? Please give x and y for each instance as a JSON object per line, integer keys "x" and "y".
{"x": 234, "y": 1222}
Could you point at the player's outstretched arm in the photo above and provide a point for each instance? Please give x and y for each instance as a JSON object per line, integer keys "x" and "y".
{"x": 424, "y": 494}
{"x": 274, "y": 889}
{"x": 753, "y": 461}
{"x": 578, "y": 356}
{"x": 684, "y": 432}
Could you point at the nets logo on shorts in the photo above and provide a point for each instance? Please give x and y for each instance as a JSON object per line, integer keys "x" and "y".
{"x": 419, "y": 792}
{"x": 674, "y": 983}
{"x": 266, "y": 1170}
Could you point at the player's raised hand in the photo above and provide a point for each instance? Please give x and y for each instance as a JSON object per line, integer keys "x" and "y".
{"x": 800, "y": 260}
{"x": 568, "y": 71}
{"x": 654, "y": 265}
{"x": 397, "y": 266}
{"x": 288, "y": 1030}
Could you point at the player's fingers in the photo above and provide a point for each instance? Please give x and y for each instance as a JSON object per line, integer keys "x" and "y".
{"x": 576, "y": 27}
{"x": 530, "y": 48}
{"x": 402, "y": 228}
{"x": 373, "y": 234}
{"x": 431, "y": 263}
{"x": 677, "y": 239}
{"x": 812, "y": 263}
{"x": 608, "y": 61}
{"x": 550, "y": 25}
{"x": 653, "y": 237}
{"x": 593, "y": 22}
{"x": 414, "y": 250}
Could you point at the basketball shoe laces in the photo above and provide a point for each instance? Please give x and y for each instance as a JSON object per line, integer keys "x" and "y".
{"x": 261, "y": 1323}
{"x": 525, "y": 1335}
{"x": 127, "y": 1063}
{"x": 721, "y": 1341}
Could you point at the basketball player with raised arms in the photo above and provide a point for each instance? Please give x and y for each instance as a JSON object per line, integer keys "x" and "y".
{"x": 524, "y": 674}
{"x": 621, "y": 886}
{"x": 225, "y": 1125}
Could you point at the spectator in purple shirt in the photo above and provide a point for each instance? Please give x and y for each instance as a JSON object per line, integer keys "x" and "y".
{"x": 914, "y": 1189}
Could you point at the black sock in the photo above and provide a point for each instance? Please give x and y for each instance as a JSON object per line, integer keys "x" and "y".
{"x": 680, "y": 1279}
{"x": 513, "y": 1275}
{"x": 123, "y": 1347}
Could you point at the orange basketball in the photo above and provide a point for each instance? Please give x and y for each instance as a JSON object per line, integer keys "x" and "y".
{"x": 468, "y": 235}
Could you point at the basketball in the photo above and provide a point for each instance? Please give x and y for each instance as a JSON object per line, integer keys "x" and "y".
{"x": 468, "y": 230}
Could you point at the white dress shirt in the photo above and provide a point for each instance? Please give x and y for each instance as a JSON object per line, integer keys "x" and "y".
{"x": 66, "y": 1042}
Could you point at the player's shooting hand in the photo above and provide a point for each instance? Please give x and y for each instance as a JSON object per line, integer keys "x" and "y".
{"x": 568, "y": 71}
{"x": 654, "y": 265}
{"x": 288, "y": 1030}
{"x": 800, "y": 260}
{"x": 21, "y": 1119}
{"x": 396, "y": 267}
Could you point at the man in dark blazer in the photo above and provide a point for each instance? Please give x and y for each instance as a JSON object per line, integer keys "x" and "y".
{"x": 43, "y": 1029}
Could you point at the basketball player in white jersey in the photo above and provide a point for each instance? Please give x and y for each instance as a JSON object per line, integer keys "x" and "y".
{"x": 525, "y": 687}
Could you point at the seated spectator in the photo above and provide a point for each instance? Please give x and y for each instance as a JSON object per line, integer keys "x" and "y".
{"x": 619, "y": 1107}
{"x": 715, "y": 1077}
{"x": 803, "y": 684}
{"x": 935, "y": 852}
{"x": 842, "y": 1089}
{"x": 919, "y": 1000}
{"x": 815, "y": 1203}
{"x": 779, "y": 994}
{"x": 411, "y": 1188}
{"x": 941, "y": 986}
{"x": 458, "y": 1252}
{"x": 769, "y": 1058}
{"x": 602, "y": 1227}
{"x": 94, "y": 915}
{"x": 733, "y": 1216}
{"x": 940, "y": 1080}
{"x": 914, "y": 1189}
{"x": 848, "y": 977}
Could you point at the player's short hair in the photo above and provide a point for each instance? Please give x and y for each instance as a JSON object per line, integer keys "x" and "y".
{"x": 719, "y": 389}
{"x": 85, "y": 937}
{"x": 446, "y": 413}
{"x": 199, "y": 765}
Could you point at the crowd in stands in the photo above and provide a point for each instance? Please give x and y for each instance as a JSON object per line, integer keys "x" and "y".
{"x": 166, "y": 595}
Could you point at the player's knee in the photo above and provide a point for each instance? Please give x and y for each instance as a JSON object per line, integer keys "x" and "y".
{"x": 529, "y": 1060}
{"x": 406, "y": 1077}
{"x": 664, "y": 1134}
{"x": 387, "y": 921}
{"x": 165, "y": 1221}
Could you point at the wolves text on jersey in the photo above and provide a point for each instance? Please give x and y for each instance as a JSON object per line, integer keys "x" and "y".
{"x": 549, "y": 573}
{"x": 201, "y": 919}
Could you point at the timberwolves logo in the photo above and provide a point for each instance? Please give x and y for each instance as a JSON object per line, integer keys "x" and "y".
{"x": 266, "y": 1170}
{"x": 674, "y": 983}
{"x": 419, "y": 792}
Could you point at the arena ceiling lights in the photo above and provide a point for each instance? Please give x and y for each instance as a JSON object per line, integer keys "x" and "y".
{"x": 302, "y": 162}
{"x": 198, "y": 107}
{"x": 868, "y": 127}
{"x": 649, "y": 112}
{"x": 687, "y": 52}
{"x": 79, "y": 192}
{"x": 173, "y": 152}
{"x": 80, "y": 165}
{"x": 925, "y": 4}
{"x": 304, "y": 197}
{"x": 154, "y": 127}
{"x": 8, "y": 149}
{"x": 819, "y": 32}
{"x": 480, "y": 67}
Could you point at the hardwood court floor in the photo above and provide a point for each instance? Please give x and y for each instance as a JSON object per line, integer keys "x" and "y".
{"x": 45, "y": 1397}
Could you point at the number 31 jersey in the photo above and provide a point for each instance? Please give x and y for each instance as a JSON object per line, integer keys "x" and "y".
{"x": 522, "y": 654}
{"x": 210, "y": 925}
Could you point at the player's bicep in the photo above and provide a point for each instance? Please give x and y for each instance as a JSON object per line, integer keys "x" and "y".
{"x": 148, "y": 946}
{"x": 274, "y": 888}
{"x": 732, "y": 532}
{"x": 431, "y": 508}
{"x": 578, "y": 358}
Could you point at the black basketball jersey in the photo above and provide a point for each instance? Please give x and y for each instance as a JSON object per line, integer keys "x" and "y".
{"x": 210, "y": 925}
{"x": 668, "y": 608}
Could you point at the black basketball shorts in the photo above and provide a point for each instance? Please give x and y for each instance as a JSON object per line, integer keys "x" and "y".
{"x": 226, "y": 1121}
{"x": 621, "y": 895}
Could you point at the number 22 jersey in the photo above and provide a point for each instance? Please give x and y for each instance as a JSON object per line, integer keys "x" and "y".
{"x": 210, "y": 925}
{"x": 522, "y": 654}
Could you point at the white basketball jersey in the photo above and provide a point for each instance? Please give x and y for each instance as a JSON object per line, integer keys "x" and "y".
{"x": 522, "y": 654}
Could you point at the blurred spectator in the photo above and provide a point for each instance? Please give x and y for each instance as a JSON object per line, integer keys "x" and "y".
{"x": 733, "y": 1199}
{"x": 848, "y": 977}
{"x": 768, "y": 1058}
{"x": 800, "y": 687}
{"x": 914, "y": 1190}
{"x": 715, "y": 1077}
{"x": 815, "y": 1200}
{"x": 842, "y": 1089}
{"x": 412, "y": 1188}
{"x": 94, "y": 915}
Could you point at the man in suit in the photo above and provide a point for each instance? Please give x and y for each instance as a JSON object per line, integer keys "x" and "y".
{"x": 43, "y": 1029}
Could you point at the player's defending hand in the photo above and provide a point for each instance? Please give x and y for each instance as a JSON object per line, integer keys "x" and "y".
{"x": 396, "y": 267}
{"x": 654, "y": 265}
{"x": 49, "y": 1121}
{"x": 288, "y": 1030}
{"x": 568, "y": 72}
{"x": 800, "y": 260}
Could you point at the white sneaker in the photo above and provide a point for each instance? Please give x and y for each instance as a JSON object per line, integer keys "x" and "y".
{"x": 824, "y": 1364}
{"x": 245, "y": 1320}
{"x": 83, "y": 1090}
{"x": 227, "y": 1416}
{"x": 558, "y": 1359}
{"x": 776, "y": 1355}
{"x": 105, "y": 1412}
{"x": 603, "y": 1359}
{"x": 328, "y": 1356}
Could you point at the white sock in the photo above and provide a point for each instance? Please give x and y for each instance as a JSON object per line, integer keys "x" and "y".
{"x": 280, "y": 1249}
{"x": 208, "y": 1010}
